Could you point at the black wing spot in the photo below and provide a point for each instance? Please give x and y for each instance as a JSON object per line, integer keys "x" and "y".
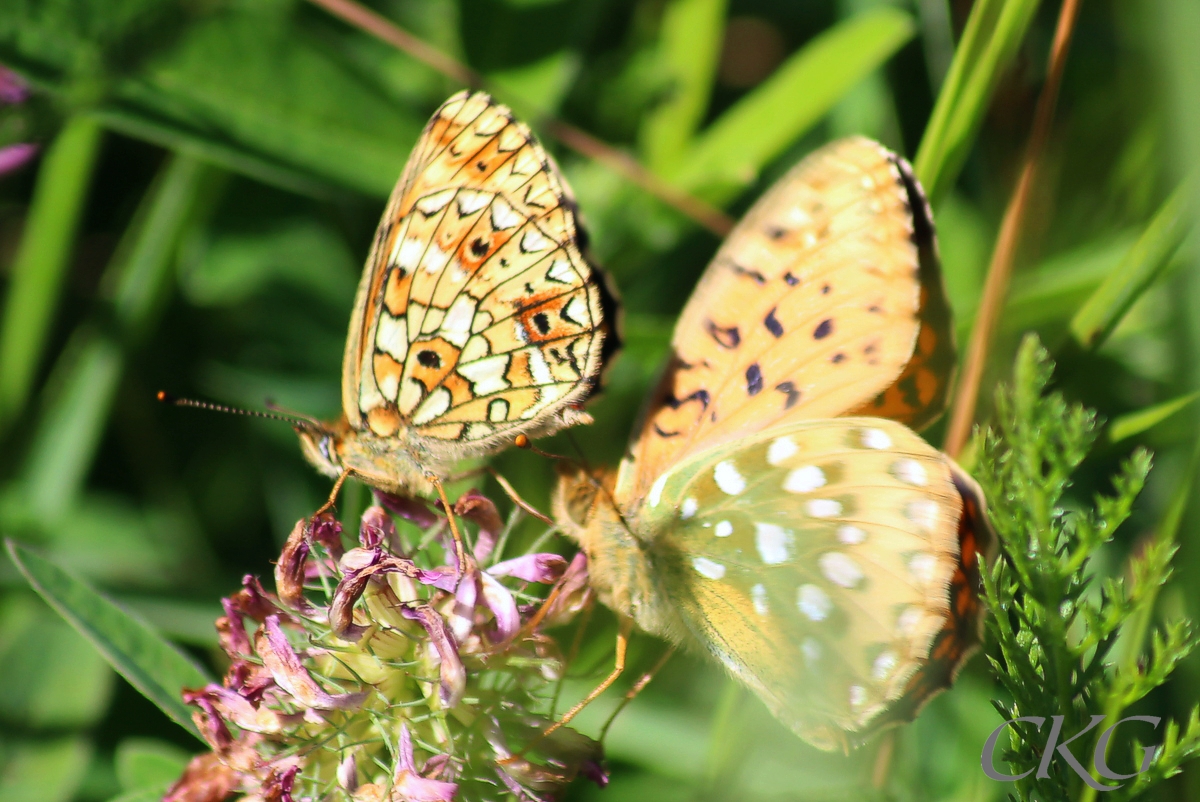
{"x": 754, "y": 379}
{"x": 754, "y": 275}
{"x": 772, "y": 323}
{"x": 528, "y": 288}
{"x": 823, "y": 329}
{"x": 479, "y": 246}
{"x": 700, "y": 395}
{"x": 838, "y": 358}
{"x": 825, "y": 289}
{"x": 875, "y": 309}
{"x": 872, "y": 348}
{"x": 658, "y": 430}
{"x": 542, "y": 322}
{"x": 503, "y": 262}
{"x": 725, "y": 337}
{"x": 429, "y": 359}
{"x": 793, "y": 395}
{"x": 790, "y": 280}
{"x": 776, "y": 233}
{"x": 481, "y": 166}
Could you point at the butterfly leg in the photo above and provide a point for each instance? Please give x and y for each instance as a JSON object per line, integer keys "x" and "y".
{"x": 460, "y": 553}
{"x": 637, "y": 688}
{"x": 624, "y": 627}
{"x": 333, "y": 494}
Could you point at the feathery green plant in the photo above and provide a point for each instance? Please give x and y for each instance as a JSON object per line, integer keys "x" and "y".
{"x": 1054, "y": 622}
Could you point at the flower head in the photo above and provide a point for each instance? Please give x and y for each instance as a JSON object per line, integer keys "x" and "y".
{"x": 371, "y": 674}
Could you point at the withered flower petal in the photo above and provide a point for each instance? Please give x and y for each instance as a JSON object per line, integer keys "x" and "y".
{"x": 543, "y": 567}
{"x": 206, "y": 779}
{"x": 290, "y": 570}
{"x": 571, "y": 595}
{"x": 208, "y": 720}
{"x": 477, "y": 508}
{"x": 377, "y": 528}
{"x": 289, "y": 673}
{"x": 231, "y": 630}
{"x": 327, "y": 530}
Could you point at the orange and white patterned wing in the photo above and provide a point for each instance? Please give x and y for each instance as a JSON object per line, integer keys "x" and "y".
{"x": 811, "y": 309}
{"x": 477, "y": 317}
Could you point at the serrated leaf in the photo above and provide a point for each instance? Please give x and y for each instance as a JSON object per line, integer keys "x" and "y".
{"x": 152, "y": 665}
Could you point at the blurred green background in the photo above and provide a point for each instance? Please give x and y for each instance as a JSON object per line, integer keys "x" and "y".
{"x": 208, "y": 177}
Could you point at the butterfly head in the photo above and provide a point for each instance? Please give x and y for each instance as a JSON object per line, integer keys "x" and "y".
{"x": 322, "y": 446}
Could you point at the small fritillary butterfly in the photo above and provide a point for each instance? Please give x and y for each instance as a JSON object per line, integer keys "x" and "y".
{"x": 477, "y": 319}
{"x": 826, "y": 558}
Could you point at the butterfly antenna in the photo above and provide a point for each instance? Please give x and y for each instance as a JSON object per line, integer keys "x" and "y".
{"x": 271, "y": 405}
{"x": 298, "y": 421}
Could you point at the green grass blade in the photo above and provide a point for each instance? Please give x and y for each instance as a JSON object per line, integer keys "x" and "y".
{"x": 689, "y": 49}
{"x": 139, "y": 276}
{"x": 1143, "y": 420}
{"x": 39, "y": 270}
{"x": 1138, "y": 271}
{"x": 990, "y": 40}
{"x": 731, "y": 152}
{"x": 152, "y": 665}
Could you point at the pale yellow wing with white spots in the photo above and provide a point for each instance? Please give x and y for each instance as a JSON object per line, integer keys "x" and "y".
{"x": 477, "y": 317}
{"x": 819, "y": 562}
{"x": 812, "y": 308}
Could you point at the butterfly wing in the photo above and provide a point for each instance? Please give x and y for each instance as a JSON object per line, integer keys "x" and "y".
{"x": 817, "y": 561}
{"x": 477, "y": 316}
{"x": 811, "y": 309}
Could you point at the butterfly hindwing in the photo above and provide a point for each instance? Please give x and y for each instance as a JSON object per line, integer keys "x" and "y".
{"x": 478, "y": 316}
{"x": 815, "y": 561}
{"x": 811, "y": 309}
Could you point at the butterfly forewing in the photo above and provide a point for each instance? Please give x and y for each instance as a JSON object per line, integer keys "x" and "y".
{"x": 815, "y": 561}
{"x": 478, "y": 316}
{"x": 810, "y": 309}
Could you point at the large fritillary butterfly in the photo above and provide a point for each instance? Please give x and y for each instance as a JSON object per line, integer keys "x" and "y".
{"x": 774, "y": 509}
{"x": 477, "y": 319}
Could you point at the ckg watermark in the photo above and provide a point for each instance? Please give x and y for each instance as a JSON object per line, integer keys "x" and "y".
{"x": 1056, "y": 748}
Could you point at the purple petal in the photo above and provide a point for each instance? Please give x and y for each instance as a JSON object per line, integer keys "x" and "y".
{"x": 208, "y": 720}
{"x": 13, "y": 88}
{"x": 376, "y": 528}
{"x": 542, "y": 567}
{"x": 359, "y": 566}
{"x": 289, "y": 673}
{"x": 327, "y": 531}
{"x": 574, "y": 593}
{"x": 16, "y": 156}
{"x": 410, "y": 509}
{"x": 408, "y": 785}
{"x": 500, "y": 601}
{"x": 453, "y": 675}
{"x": 462, "y": 617}
{"x": 253, "y": 601}
{"x": 347, "y": 773}
{"x": 479, "y": 510}
{"x": 280, "y": 781}
{"x": 594, "y": 771}
{"x": 231, "y": 630}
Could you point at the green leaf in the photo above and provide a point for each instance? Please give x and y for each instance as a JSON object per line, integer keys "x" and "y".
{"x": 992, "y": 36}
{"x": 39, "y": 268}
{"x": 688, "y": 52}
{"x": 152, "y": 665}
{"x": 732, "y": 151}
{"x": 248, "y": 85}
{"x": 43, "y": 771}
{"x": 1143, "y": 420}
{"x": 147, "y": 763}
{"x": 1138, "y": 271}
{"x": 52, "y": 677}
